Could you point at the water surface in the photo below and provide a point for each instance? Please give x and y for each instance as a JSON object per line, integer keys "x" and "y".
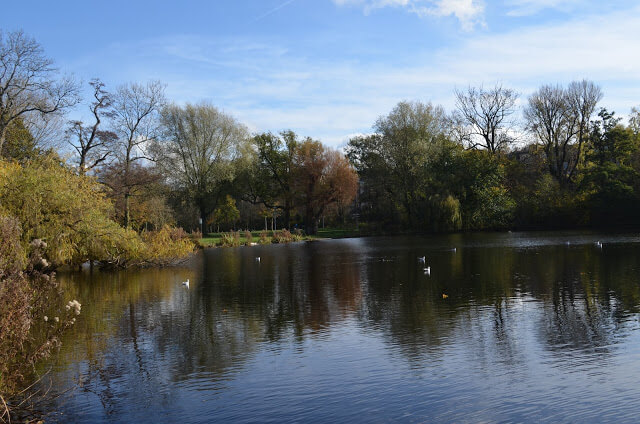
{"x": 532, "y": 327}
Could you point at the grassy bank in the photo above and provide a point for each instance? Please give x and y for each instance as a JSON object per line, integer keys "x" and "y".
{"x": 244, "y": 238}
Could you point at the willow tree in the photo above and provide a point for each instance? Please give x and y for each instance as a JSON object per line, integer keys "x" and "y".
{"x": 201, "y": 151}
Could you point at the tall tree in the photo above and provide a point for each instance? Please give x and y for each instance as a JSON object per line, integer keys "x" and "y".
{"x": 200, "y": 152}
{"x": 92, "y": 144}
{"x": 136, "y": 124}
{"x": 29, "y": 83}
{"x": 488, "y": 116}
{"x": 559, "y": 118}
{"x": 406, "y": 136}
{"x": 272, "y": 183}
{"x": 323, "y": 177}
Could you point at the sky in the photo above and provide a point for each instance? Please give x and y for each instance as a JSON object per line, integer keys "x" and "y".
{"x": 328, "y": 69}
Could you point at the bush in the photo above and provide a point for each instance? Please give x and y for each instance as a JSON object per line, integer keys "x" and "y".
{"x": 195, "y": 235}
{"x": 282, "y": 236}
{"x": 72, "y": 215}
{"x": 166, "y": 246}
{"x": 248, "y": 237}
{"x": 25, "y": 299}
{"x": 230, "y": 239}
{"x": 264, "y": 238}
{"x": 298, "y": 234}
{"x": 12, "y": 255}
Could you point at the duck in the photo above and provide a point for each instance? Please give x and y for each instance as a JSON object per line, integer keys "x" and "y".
{"x": 257, "y": 258}
{"x": 427, "y": 270}
{"x": 421, "y": 259}
{"x": 186, "y": 283}
{"x": 444, "y": 296}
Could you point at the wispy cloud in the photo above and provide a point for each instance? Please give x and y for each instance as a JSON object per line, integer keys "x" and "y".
{"x": 532, "y": 7}
{"x": 469, "y": 12}
{"x": 275, "y": 9}
{"x": 270, "y": 86}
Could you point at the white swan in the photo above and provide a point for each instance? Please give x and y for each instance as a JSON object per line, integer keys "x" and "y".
{"x": 186, "y": 283}
{"x": 427, "y": 270}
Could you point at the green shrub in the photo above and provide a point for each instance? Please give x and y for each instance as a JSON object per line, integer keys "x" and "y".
{"x": 248, "y": 237}
{"x": 166, "y": 246}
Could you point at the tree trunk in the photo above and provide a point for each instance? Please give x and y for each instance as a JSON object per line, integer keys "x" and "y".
{"x": 287, "y": 214}
{"x": 310, "y": 222}
{"x": 127, "y": 220}
{"x": 3, "y": 134}
{"x": 203, "y": 218}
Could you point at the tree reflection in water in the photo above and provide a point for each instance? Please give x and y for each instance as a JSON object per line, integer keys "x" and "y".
{"x": 516, "y": 305}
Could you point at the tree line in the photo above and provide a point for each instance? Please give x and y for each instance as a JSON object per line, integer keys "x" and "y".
{"x": 553, "y": 159}
{"x": 558, "y": 161}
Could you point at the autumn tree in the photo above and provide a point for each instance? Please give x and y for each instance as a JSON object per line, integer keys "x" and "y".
{"x": 488, "y": 116}
{"x": 323, "y": 177}
{"x": 136, "y": 124}
{"x": 29, "y": 83}
{"x": 92, "y": 144}
{"x": 560, "y": 118}
{"x": 201, "y": 151}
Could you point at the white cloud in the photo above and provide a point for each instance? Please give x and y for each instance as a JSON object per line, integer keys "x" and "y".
{"x": 469, "y": 12}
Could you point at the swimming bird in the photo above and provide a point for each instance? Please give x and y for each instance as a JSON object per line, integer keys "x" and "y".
{"x": 598, "y": 244}
{"x": 186, "y": 283}
{"x": 444, "y": 296}
{"x": 427, "y": 270}
{"x": 421, "y": 259}
{"x": 257, "y": 258}
{"x": 454, "y": 250}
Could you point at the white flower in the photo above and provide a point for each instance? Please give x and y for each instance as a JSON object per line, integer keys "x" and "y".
{"x": 56, "y": 319}
{"x": 46, "y": 318}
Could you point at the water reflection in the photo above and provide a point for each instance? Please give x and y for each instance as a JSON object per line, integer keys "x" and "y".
{"x": 333, "y": 330}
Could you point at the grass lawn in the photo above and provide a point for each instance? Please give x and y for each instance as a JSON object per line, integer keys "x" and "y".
{"x": 214, "y": 239}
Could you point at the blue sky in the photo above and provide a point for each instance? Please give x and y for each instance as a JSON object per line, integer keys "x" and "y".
{"x": 328, "y": 68}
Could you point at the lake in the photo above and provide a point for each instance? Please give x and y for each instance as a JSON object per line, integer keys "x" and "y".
{"x": 509, "y": 327}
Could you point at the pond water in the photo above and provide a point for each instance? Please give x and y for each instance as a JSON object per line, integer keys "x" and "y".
{"x": 507, "y": 327}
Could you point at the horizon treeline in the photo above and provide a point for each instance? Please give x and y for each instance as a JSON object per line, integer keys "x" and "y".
{"x": 559, "y": 160}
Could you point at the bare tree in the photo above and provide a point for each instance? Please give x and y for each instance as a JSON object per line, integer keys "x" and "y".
{"x": 136, "y": 123}
{"x": 560, "y": 118}
{"x": 92, "y": 144}
{"x": 488, "y": 116}
{"x": 29, "y": 83}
